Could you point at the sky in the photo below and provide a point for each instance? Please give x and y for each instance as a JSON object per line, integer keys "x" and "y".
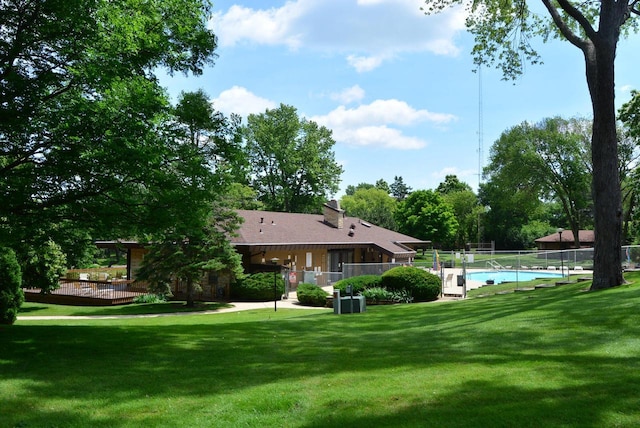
{"x": 396, "y": 87}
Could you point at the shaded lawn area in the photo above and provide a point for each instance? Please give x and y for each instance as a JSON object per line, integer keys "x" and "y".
{"x": 552, "y": 357}
{"x": 44, "y": 309}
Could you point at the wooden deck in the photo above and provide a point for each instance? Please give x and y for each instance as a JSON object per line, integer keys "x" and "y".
{"x": 88, "y": 293}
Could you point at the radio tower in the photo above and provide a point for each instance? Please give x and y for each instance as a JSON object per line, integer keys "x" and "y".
{"x": 480, "y": 149}
{"x": 480, "y": 127}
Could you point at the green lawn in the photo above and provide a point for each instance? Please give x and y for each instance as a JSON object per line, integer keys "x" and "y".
{"x": 550, "y": 357}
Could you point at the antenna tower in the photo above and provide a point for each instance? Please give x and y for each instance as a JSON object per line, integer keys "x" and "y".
{"x": 480, "y": 127}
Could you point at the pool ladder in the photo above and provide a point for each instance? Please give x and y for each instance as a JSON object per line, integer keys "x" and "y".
{"x": 495, "y": 265}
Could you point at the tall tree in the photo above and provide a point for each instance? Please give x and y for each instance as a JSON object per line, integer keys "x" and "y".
{"x": 511, "y": 208}
{"x": 86, "y": 142}
{"x": 503, "y": 32}
{"x": 187, "y": 251}
{"x": 425, "y": 215}
{"x": 293, "y": 166}
{"x": 11, "y": 294}
{"x": 373, "y": 205}
{"x": 351, "y": 189}
{"x": 452, "y": 184}
{"x": 549, "y": 159}
{"x": 399, "y": 189}
{"x": 383, "y": 185}
{"x": 630, "y": 172}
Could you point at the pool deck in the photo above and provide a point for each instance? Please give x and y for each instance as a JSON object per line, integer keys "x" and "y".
{"x": 450, "y": 287}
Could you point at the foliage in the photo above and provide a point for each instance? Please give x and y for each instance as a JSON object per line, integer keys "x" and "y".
{"x": 372, "y": 205}
{"x": 88, "y": 147}
{"x": 358, "y": 283}
{"x": 43, "y": 267}
{"x": 399, "y": 189}
{"x": 452, "y": 184}
{"x": 423, "y": 286}
{"x": 380, "y": 294}
{"x": 150, "y": 298}
{"x": 184, "y": 254}
{"x": 503, "y": 33}
{"x": 243, "y": 197}
{"x": 424, "y": 214}
{"x": 311, "y": 295}
{"x": 550, "y": 161}
{"x": 258, "y": 287}
{"x": 11, "y": 294}
{"x": 465, "y": 206}
{"x": 630, "y": 116}
{"x": 293, "y": 168}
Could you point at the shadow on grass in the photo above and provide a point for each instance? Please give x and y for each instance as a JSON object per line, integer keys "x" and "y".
{"x": 556, "y": 357}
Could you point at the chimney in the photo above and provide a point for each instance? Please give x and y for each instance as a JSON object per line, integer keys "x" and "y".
{"x": 333, "y": 215}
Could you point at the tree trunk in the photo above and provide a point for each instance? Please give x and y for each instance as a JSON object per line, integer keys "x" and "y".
{"x": 607, "y": 195}
{"x": 190, "y": 293}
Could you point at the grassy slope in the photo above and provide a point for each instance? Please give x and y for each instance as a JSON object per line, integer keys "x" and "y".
{"x": 551, "y": 357}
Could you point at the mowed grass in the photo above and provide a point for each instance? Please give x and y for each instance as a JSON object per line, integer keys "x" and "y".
{"x": 551, "y": 357}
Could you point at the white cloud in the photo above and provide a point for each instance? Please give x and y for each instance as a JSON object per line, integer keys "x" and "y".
{"x": 378, "y": 136}
{"x": 363, "y": 64}
{"x": 380, "y": 124}
{"x": 462, "y": 174}
{"x": 366, "y": 32}
{"x": 241, "y": 101}
{"x": 268, "y": 27}
{"x": 383, "y": 112}
{"x": 349, "y": 95}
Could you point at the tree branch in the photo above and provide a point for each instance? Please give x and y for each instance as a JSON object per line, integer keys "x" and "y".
{"x": 573, "y": 38}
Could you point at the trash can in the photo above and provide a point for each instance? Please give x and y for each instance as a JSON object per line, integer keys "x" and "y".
{"x": 354, "y": 305}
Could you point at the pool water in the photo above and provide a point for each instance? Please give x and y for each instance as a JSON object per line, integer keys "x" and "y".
{"x": 510, "y": 275}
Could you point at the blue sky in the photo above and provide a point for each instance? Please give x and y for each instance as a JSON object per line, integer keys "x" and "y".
{"x": 396, "y": 87}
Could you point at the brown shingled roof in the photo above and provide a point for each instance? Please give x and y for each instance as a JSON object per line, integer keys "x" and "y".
{"x": 276, "y": 229}
{"x": 567, "y": 236}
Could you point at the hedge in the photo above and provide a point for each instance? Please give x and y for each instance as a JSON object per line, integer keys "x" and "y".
{"x": 311, "y": 295}
{"x": 258, "y": 287}
{"x": 423, "y": 286}
{"x": 359, "y": 283}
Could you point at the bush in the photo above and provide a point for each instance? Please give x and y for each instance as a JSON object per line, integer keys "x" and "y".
{"x": 11, "y": 295}
{"x": 359, "y": 283}
{"x": 44, "y": 266}
{"x": 311, "y": 295}
{"x": 150, "y": 298}
{"x": 258, "y": 287}
{"x": 423, "y": 286}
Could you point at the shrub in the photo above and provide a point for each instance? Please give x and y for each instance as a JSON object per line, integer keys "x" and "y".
{"x": 11, "y": 295}
{"x": 311, "y": 295}
{"x": 150, "y": 298}
{"x": 377, "y": 294}
{"x": 422, "y": 285}
{"x": 359, "y": 283}
{"x": 43, "y": 267}
{"x": 380, "y": 294}
{"x": 257, "y": 287}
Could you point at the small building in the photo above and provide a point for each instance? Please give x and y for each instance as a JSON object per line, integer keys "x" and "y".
{"x": 554, "y": 243}
{"x": 307, "y": 246}
{"x": 319, "y": 242}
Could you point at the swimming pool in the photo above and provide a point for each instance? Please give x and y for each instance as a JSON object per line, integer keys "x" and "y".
{"x": 510, "y": 275}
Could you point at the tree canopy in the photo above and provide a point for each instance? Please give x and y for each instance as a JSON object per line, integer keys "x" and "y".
{"x": 372, "y": 205}
{"x": 425, "y": 215}
{"x": 88, "y": 142}
{"x": 551, "y": 160}
{"x": 292, "y": 164}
